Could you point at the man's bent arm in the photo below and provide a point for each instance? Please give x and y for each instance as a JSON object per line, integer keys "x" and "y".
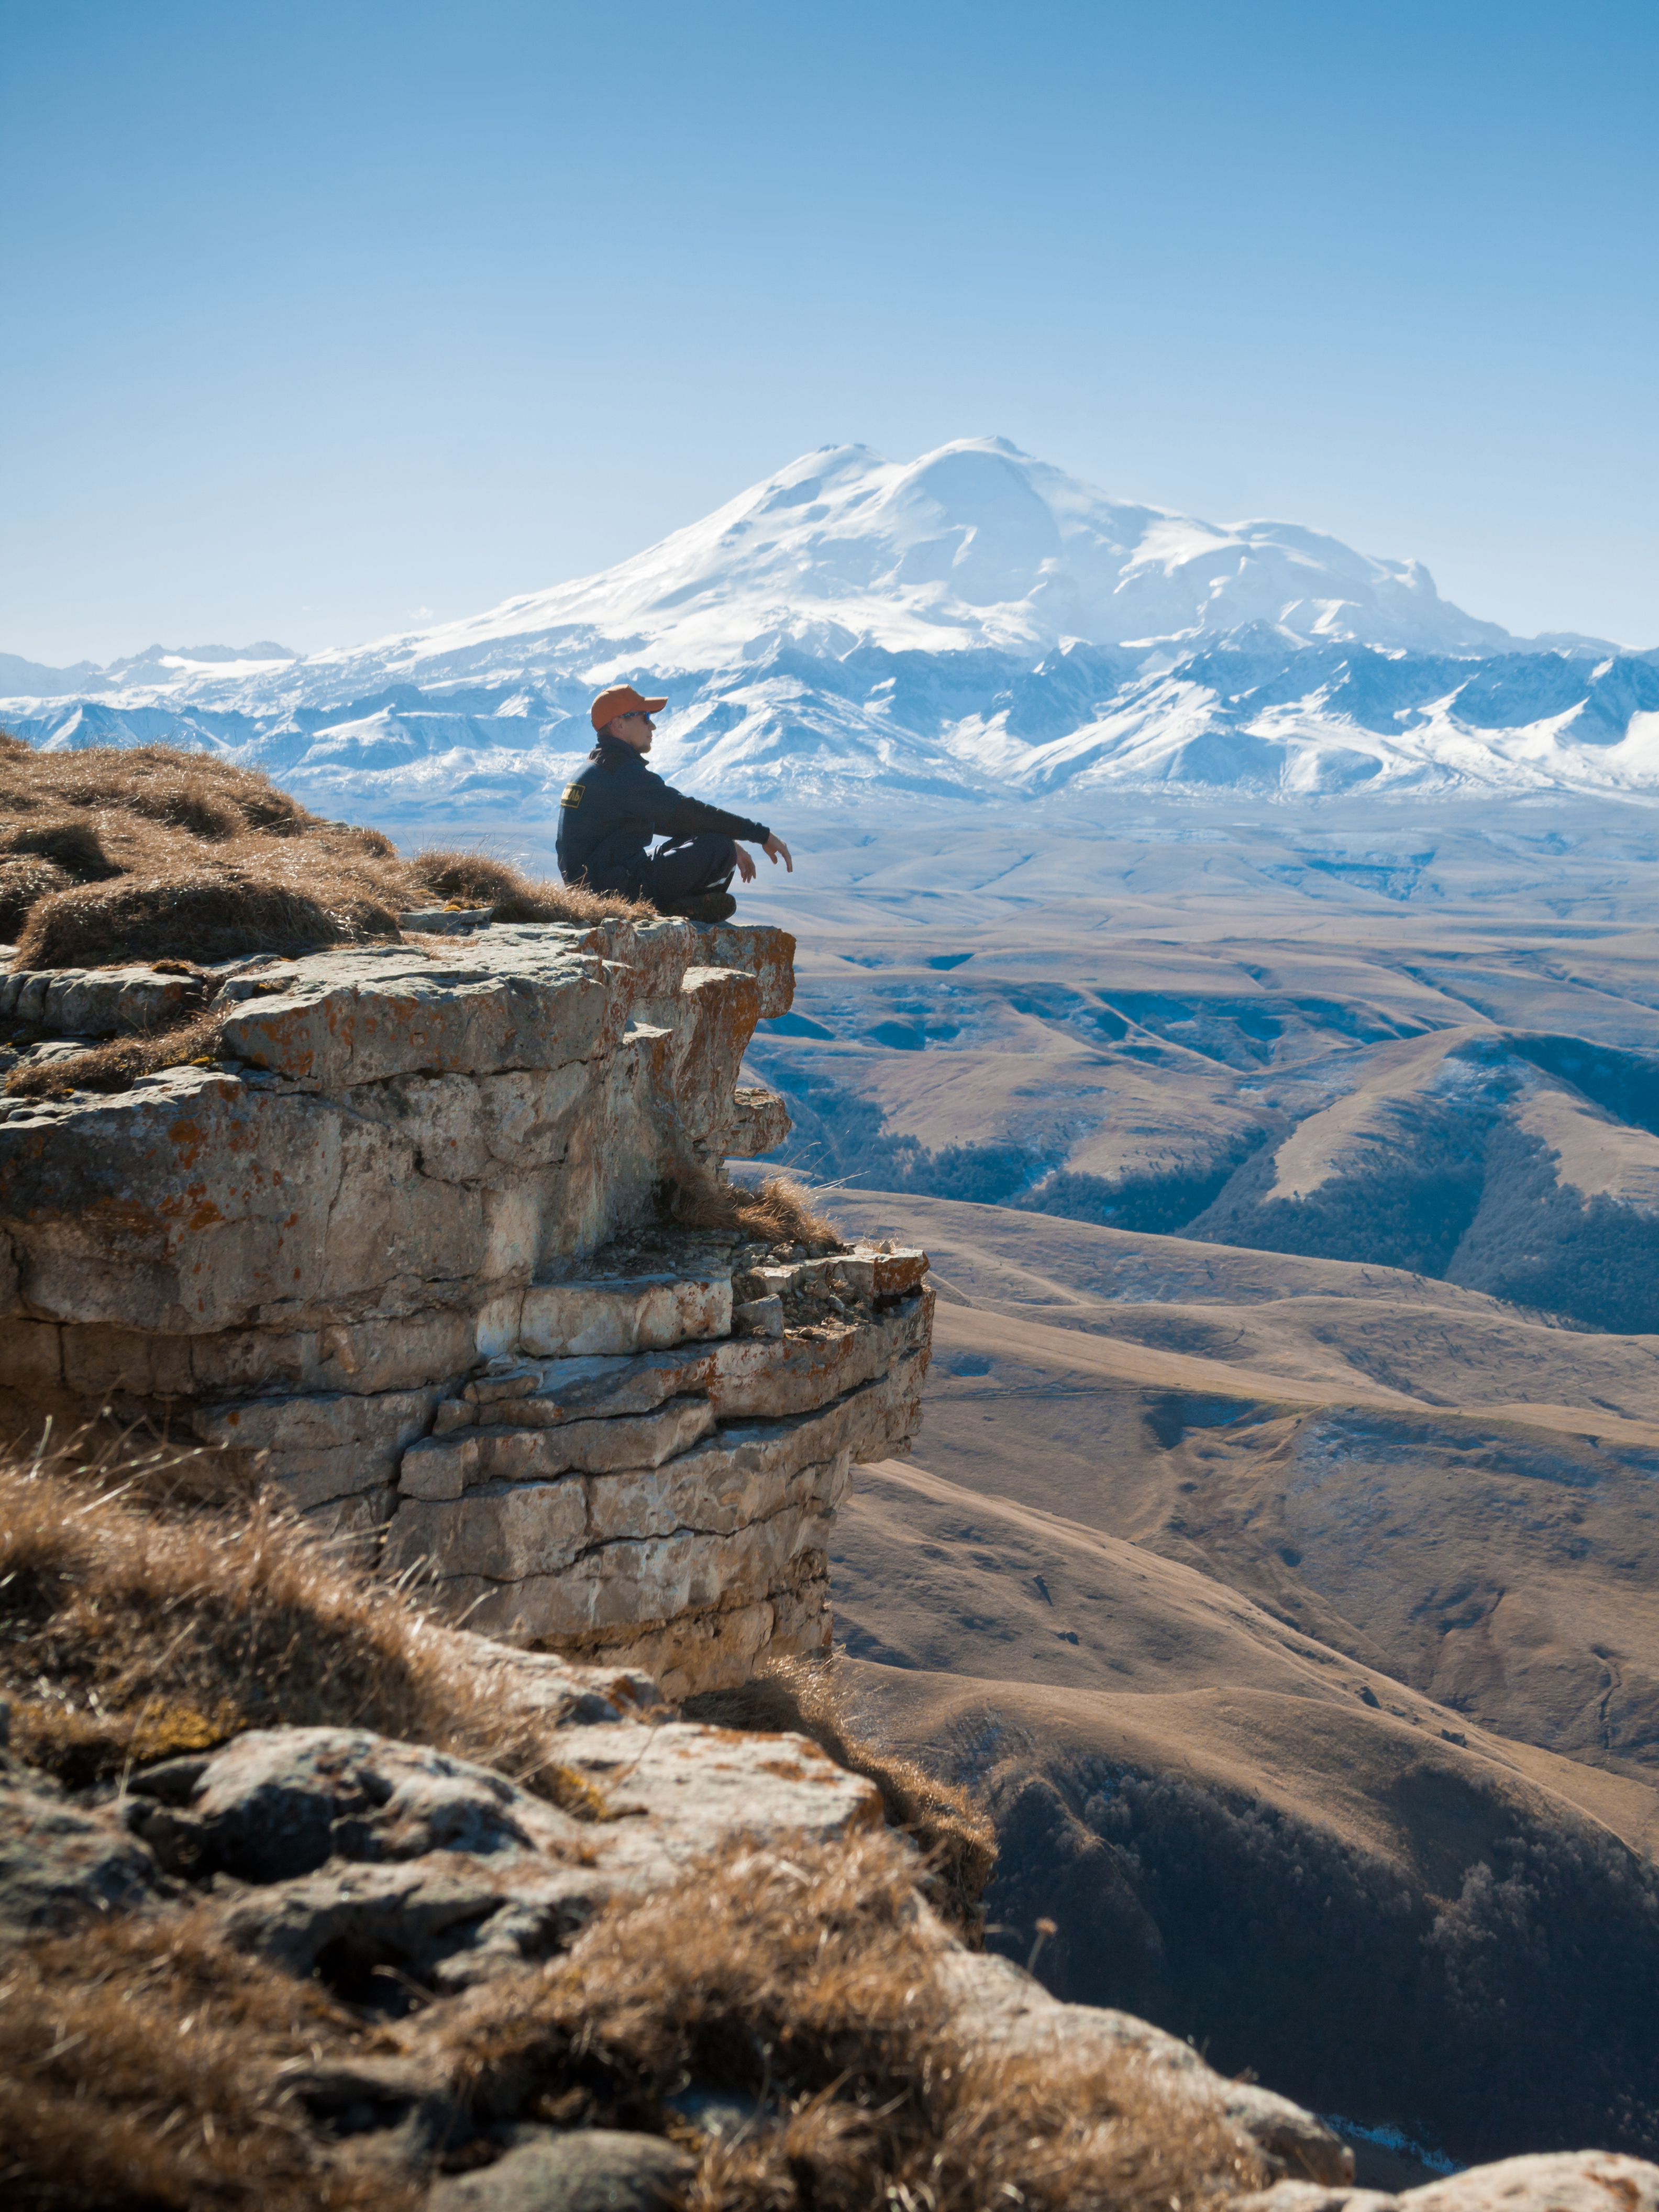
{"x": 690, "y": 816}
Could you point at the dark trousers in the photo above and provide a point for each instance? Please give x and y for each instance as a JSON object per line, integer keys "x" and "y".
{"x": 685, "y": 866}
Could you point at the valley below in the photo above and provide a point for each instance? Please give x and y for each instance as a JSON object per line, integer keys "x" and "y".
{"x": 1278, "y": 1556}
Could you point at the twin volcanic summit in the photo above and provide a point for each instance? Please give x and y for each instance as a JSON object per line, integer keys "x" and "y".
{"x": 973, "y": 626}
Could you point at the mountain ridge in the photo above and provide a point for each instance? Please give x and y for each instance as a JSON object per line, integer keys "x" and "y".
{"x": 970, "y": 626}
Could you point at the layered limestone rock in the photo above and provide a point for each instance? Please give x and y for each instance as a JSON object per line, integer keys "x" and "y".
{"x": 403, "y": 1249}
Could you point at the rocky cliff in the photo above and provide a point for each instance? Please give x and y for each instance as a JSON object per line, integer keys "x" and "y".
{"x": 431, "y": 1240}
{"x": 411, "y": 1982}
{"x": 414, "y": 1241}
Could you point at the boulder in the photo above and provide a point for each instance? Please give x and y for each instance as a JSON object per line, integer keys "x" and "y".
{"x": 388, "y": 1869}
{"x": 1544, "y": 2181}
{"x": 277, "y": 1802}
{"x": 758, "y": 1318}
{"x": 444, "y": 920}
{"x": 405, "y": 2105}
{"x": 98, "y": 1002}
{"x": 565, "y": 1319}
{"x": 1558, "y": 2181}
{"x": 594, "y": 2170}
{"x": 769, "y": 955}
{"x": 361, "y": 1016}
{"x": 756, "y": 1123}
{"x": 60, "y": 1859}
{"x": 1002, "y": 2011}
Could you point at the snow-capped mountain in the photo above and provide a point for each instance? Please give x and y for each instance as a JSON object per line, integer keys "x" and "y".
{"x": 977, "y": 547}
{"x": 157, "y": 666}
{"x": 972, "y": 624}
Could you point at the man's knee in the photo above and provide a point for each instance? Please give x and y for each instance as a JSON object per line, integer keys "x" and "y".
{"x": 702, "y": 863}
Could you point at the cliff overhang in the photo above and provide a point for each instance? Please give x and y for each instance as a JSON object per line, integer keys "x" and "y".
{"x": 405, "y": 1248}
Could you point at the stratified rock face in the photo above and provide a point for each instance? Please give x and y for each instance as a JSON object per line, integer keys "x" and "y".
{"x": 399, "y": 1250}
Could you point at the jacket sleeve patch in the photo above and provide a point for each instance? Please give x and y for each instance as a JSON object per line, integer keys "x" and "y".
{"x": 573, "y": 794}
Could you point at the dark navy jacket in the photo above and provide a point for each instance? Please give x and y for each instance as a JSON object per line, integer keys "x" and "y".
{"x": 607, "y": 816}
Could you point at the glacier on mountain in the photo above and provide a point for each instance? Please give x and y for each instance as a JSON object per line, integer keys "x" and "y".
{"x": 972, "y": 626}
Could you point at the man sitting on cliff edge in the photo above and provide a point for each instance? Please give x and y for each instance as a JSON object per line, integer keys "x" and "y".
{"x": 607, "y": 816}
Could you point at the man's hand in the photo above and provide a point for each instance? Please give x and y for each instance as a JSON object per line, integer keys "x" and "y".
{"x": 745, "y": 866}
{"x": 773, "y": 847}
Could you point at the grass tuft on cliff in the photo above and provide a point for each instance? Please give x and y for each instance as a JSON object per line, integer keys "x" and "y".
{"x": 958, "y": 1841}
{"x": 804, "y": 1977}
{"x": 149, "y": 852}
{"x": 136, "y": 1623}
{"x": 139, "y": 2066}
{"x": 117, "y": 1065}
{"x": 474, "y": 878}
{"x": 144, "y": 2063}
{"x": 777, "y": 1211}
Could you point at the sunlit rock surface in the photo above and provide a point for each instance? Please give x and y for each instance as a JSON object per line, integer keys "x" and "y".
{"x": 402, "y": 1250}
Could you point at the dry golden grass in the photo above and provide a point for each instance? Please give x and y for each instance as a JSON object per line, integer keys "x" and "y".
{"x": 139, "y": 2064}
{"x": 149, "y": 852}
{"x": 544, "y": 900}
{"x": 140, "y": 2061}
{"x": 135, "y": 1623}
{"x": 197, "y": 792}
{"x": 958, "y": 1841}
{"x": 117, "y": 1065}
{"x": 467, "y": 877}
{"x": 71, "y": 845}
{"x": 23, "y": 884}
{"x": 802, "y": 1977}
{"x": 167, "y": 854}
{"x": 39, "y": 857}
{"x": 779, "y": 1213}
{"x": 236, "y": 903}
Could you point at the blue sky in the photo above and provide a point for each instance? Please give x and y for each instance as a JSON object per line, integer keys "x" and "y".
{"x": 321, "y": 316}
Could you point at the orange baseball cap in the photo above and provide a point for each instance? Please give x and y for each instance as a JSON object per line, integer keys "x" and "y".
{"x": 623, "y": 700}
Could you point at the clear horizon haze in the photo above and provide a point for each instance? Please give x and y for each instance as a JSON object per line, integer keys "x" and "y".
{"x": 329, "y": 321}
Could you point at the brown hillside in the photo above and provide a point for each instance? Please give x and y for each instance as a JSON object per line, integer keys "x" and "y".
{"x": 1436, "y": 1485}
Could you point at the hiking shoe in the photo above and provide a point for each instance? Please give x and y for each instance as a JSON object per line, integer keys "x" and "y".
{"x": 708, "y": 906}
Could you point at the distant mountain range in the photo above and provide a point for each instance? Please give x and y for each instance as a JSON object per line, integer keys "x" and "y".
{"x": 972, "y": 626}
